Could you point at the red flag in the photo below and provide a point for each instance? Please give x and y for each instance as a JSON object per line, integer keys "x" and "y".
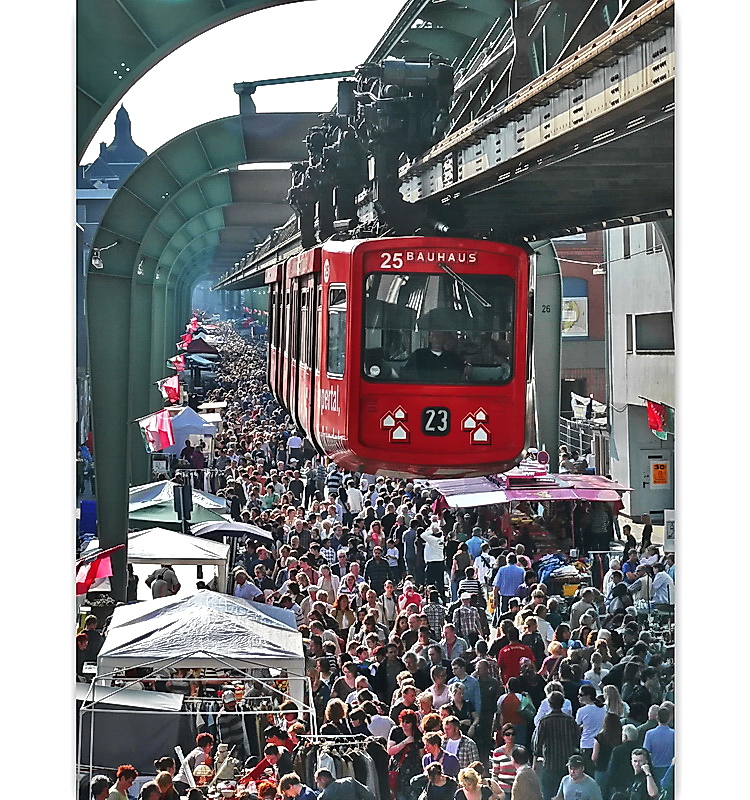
{"x": 170, "y": 388}
{"x": 157, "y": 431}
{"x": 87, "y": 574}
{"x": 178, "y": 362}
{"x": 657, "y": 418}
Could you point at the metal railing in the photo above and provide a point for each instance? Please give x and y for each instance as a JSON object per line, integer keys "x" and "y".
{"x": 583, "y": 437}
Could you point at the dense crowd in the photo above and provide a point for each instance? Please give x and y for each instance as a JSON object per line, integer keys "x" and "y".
{"x": 431, "y": 630}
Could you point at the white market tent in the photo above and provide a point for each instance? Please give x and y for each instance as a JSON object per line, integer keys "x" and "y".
{"x": 162, "y": 546}
{"x": 152, "y": 494}
{"x": 186, "y": 423}
{"x": 204, "y": 629}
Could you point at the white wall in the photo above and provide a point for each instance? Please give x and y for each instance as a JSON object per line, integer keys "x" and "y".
{"x": 640, "y": 284}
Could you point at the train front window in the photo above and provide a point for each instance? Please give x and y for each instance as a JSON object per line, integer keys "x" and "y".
{"x": 438, "y": 328}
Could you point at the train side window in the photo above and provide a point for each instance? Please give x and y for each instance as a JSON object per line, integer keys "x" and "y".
{"x": 335, "y": 356}
{"x": 304, "y": 330}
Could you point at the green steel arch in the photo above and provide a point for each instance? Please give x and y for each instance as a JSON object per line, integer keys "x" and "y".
{"x": 118, "y": 41}
{"x": 162, "y": 219}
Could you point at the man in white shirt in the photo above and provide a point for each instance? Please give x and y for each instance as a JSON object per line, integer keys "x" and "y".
{"x": 662, "y": 588}
{"x": 294, "y": 446}
{"x": 433, "y": 558}
{"x": 590, "y": 717}
{"x": 244, "y": 587}
{"x": 354, "y": 498}
{"x": 581, "y": 607}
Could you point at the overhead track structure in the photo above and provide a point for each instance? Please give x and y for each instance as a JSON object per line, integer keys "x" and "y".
{"x": 157, "y": 239}
{"x": 118, "y": 41}
{"x": 589, "y": 142}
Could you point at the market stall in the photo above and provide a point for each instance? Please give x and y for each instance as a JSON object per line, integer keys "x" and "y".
{"x": 224, "y": 642}
{"x": 162, "y": 546}
{"x": 203, "y": 630}
{"x": 120, "y": 718}
{"x": 557, "y": 512}
{"x": 152, "y": 505}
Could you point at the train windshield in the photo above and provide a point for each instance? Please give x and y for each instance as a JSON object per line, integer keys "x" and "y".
{"x": 438, "y": 328}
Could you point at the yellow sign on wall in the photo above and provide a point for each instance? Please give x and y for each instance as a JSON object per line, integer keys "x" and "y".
{"x": 660, "y": 473}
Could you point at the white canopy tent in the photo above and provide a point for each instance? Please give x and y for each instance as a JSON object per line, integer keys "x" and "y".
{"x": 162, "y": 546}
{"x": 205, "y": 630}
{"x": 188, "y": 424}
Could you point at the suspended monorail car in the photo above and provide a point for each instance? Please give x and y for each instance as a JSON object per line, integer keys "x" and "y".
{"x": 408, "y": 355}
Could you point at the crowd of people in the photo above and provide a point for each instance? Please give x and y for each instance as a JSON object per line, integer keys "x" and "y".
{"x": 430, "y": 630}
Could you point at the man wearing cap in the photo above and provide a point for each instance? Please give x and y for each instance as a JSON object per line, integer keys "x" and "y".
{"x": 244, "y": 587}
{"x": 577, "y": 785}
{"x": 231, "y": 728}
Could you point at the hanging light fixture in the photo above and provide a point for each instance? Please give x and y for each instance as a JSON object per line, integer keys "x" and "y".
{"x": 96, "y": 255}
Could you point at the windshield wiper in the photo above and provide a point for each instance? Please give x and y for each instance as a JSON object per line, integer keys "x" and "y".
{"x": 466, "y": 286}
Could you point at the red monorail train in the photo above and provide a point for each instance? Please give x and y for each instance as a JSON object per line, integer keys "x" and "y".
{"x": 404, "y": 355}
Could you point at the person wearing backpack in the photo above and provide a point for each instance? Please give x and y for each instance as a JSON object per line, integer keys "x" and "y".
{"x": 163, "y": 582}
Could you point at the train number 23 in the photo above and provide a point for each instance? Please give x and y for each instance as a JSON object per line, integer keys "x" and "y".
{"x": 392, "y": 261}
{"x": 436, "y": 421}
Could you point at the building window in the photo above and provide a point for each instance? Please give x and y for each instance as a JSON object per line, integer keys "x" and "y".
{"x": 575, "y": 310}
{"x": 628, "y": 333}
{"x": 654, "y": 333}
{"x": 626, "y": 242}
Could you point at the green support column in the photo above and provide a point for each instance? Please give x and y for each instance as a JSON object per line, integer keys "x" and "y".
{"x": 171, "y": 334}
{"x": 547, "y": 345}
{"x": 161, "y": 347}
{"x": 108, "y": 304}
{"x": 140, "y": 396}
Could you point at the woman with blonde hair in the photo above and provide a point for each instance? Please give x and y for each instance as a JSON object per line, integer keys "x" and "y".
{"x": 551, "y": 664}
{"x": 614, "y": 703}
{"x": 470, "y": 786}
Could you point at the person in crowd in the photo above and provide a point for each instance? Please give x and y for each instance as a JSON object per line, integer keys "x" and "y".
{"x": 405, "y": 752}
{"x": 99, "y": 787}
{"x": 660, "y": 744}
{"x": 457, "y": 744}
{"x": 434, "y": 752}
{"x": 439, "y": 785}
{"x": 200, "y": 754}
{"x": 291, "y": 786}
{"x": 124, "y": 779}
{"x": 644, "y": 785}
{"x": 471, "y": 786}
{"x": 230, "y": 727}
{"x": 341, "y": 788}
{"x": 557, "y": 737}
{"x": 577, "y": 785}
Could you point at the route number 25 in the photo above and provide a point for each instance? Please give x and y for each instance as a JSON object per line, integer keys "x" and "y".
{"x": 392, "y": 261}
